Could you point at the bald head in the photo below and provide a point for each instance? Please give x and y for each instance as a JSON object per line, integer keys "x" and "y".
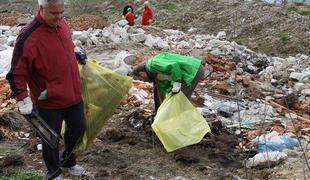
{"x": 146, "y": 3}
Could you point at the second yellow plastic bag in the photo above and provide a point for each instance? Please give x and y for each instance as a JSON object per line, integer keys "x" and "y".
{"x": 102, "y": 92}
{"x": 178, "y": 123}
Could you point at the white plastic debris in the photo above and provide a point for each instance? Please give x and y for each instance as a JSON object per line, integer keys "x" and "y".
{"x": 124, "y": 57}
{"x": 39, "y": 147}
{"x": 139, "y": 94}
{"x": 266, "y": 159}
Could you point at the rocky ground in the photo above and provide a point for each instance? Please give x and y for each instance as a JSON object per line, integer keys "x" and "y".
{"x": 248, "y": 98}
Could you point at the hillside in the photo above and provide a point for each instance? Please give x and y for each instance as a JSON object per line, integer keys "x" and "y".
{"x": 272, "y": 29}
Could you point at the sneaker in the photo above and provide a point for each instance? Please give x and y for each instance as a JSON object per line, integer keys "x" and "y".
{"x": 76, "y": 170}
{"x": 58, "y": 177}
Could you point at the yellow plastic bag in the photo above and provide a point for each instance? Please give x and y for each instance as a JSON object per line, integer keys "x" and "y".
{"x": 102, "y": 92}
{"x": 178, "y": 123}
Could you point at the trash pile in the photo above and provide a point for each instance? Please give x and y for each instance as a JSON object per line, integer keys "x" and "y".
{"x": 265, "y": 100}
{"x": 6, "y": 103}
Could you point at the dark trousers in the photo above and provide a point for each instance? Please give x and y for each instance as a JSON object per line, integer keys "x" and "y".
{"x": 75, "y": 126}
{"x": 187, "y": 90}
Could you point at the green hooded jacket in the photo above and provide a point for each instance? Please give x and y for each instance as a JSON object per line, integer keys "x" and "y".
{"x": 175, "y": 68}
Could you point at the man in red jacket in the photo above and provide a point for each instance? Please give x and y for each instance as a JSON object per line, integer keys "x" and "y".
{"x": 44, "y": 60}
{"x": 130, "y": 17}
{"x": 147, "y": 15}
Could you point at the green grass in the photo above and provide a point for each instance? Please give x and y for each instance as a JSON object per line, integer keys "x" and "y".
{"x": 283, "y": 37}
{"x": 168, "y": 6}
{"x": 296, "y": 10}
{"x": 23, "y": 175}
{"x": 304, "y": 13}
{"x": 292, "y": 9}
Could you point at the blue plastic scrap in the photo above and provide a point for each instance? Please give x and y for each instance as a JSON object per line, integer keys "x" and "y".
{"x": 265, "y": 145}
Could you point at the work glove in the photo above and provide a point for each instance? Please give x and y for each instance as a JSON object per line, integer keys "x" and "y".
{"x": 176, "y": 87}
{"x": 43, "y": 95}
{"x": 80, "y": 55}
{"x": 25, "y": 106}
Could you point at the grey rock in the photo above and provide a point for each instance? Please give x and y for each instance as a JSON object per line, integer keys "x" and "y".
{"x": 2, "y": 47}
{"x": 150, "y": 40}
{"x": 306, "y": 92}
{"x": 11, "y": 40}
{"x": 5, "y": 28}
{"x": 299, "y": 86}
{"x": 139, "y": 37}
{"x": 296, "y": 76}
{"x": 3, "y": 39}
{"x": 122, "y": 23}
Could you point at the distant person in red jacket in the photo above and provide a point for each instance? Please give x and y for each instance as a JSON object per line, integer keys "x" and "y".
{"x": 44, "y": 60}
{"x": 147, "y": 15}
{"x": 130, "y": 17}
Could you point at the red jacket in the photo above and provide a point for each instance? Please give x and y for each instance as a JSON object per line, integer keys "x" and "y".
{"x": 130, "y": 17}
{"x": 44, "y": 58}
{"x": 146, "y": 16}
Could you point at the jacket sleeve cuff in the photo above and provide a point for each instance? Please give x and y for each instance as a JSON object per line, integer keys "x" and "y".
{"x": 21, "y": 96}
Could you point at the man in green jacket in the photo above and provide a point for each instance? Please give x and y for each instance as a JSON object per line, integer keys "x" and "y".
{"x": 170, "y": 72}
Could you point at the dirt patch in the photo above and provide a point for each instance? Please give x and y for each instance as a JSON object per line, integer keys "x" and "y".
{"x": 10, "y": 19}
{"x": 86, "y": 21}
{"x": 12, "y": 160}
{"x": 127, "y": 151}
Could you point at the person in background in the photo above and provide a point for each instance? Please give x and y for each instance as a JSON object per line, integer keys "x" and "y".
{"x": 44, "y": 60}
{"x": 147, "y": 14}
{"x": 127, "y": 7}
{"x": 170, "y": 73}
{"x": 130, "y": 17}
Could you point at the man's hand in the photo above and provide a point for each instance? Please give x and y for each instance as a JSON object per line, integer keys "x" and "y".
{"x": 25, "y": 106}
{"x": 176, "y": 87}
{"x": 80, "y": 55}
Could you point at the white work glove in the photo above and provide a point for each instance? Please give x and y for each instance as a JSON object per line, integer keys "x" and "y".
{"x": 25, "y": 106}
{"x": 176, "y": 87}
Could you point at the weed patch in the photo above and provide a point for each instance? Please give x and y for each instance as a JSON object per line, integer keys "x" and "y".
{"x": 283, "y": 37}
{"x": 23, "y": 175}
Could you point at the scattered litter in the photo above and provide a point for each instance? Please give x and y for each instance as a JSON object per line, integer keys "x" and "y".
{"x": 266, "y": 159}
{"x": 274, "y": 142}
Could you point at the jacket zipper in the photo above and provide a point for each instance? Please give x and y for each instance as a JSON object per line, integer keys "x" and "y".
{"x": 68, "y": 59}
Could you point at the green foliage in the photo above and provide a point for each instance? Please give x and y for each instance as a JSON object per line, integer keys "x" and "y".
{"x": 283, "y": 37}
{"x": 23, "y": 175}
